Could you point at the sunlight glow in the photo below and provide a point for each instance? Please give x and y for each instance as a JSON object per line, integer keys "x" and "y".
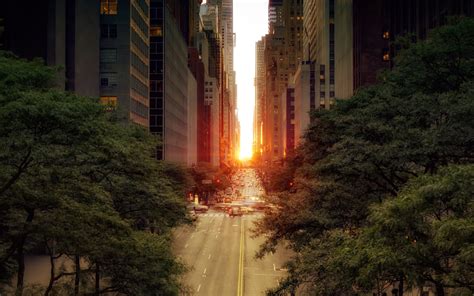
{"x": 250, "y": 24}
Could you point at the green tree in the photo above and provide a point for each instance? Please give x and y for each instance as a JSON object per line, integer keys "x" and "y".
{"x": 365, "y": 150}
{"x": 429, "y": 227}
{"x": 80, "y": 182}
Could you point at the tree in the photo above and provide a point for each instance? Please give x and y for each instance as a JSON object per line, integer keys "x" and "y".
{"x": 365, "y": 150}
{"x": 429, "y": 227}
{"x": 78, "y": 181}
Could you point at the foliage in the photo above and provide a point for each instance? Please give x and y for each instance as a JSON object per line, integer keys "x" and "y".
{"x": 78, "y": 181}
{"x": 363, "y": 152}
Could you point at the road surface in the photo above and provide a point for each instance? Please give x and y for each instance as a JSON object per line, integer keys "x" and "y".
{"x": 220, "y": 250}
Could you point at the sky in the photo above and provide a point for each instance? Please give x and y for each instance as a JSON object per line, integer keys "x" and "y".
{"x": 250, "y": 24}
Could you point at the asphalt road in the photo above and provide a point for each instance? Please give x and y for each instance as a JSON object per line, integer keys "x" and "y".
{"x": 220, "y": 252}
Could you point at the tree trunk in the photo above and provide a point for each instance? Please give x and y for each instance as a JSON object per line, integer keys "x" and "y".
{"x": 51, "y": 275}
{"x": 97, "y": 279}
{"x": 21, "y": 269}
{"x": 400, "y": 285}
{"x": 21, "y": 255}
{"x": 439, "y": 289}
{"x": 77, "y": 280}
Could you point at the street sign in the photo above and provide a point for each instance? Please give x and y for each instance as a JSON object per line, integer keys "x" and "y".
{"x": 206, "y": 181}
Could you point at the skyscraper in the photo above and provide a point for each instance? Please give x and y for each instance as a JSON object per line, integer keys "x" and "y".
{"x": 124, "y": 56}
{"x": 283, "y": 53}
{"x": 168, "y": 83}
{"x": 110, "y": 61}
{"x": 259, "y": 96}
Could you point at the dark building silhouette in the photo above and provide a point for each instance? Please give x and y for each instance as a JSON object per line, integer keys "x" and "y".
{"x": 377, "y": 24}
{"x": 197, "y": 69}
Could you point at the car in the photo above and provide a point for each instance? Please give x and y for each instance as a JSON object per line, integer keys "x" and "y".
{"x": 247, "y": 210}
{"x": 200, "y": 208}
{"x": 221, "y": 207}
{"x": 235, "y": 211}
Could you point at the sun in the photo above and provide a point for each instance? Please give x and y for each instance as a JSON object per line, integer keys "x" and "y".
{"x": 245, "y": 155}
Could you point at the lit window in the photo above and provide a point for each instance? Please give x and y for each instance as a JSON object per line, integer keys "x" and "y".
{"x": 109, "y": 101}
{"x": 386, "y": 35}
{"x": 386, "y": 56}
{"x": 108, "y": 7}
{"x": 156, "y": 31}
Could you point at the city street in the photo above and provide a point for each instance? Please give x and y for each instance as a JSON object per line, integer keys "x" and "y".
{"x": 220, "y": 250}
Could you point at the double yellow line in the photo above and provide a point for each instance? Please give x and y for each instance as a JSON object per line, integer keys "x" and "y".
{"x": 240, "y": 278}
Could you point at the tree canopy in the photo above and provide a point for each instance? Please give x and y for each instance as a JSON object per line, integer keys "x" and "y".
{"x": 80, "y": 182}
{"x": 414, "y": 127}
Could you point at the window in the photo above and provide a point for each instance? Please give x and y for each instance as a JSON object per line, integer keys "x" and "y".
{"x": 386, "y": 55}
{"x": 386, "y": 35}
{"x": 108, "y": 31}
{"x": 108, "y": 79}
{"x": 108, "y": 7}
{"x": 109, "y": 101}
{"x": 156, "y": 31}
{"x": 108, "y": 55}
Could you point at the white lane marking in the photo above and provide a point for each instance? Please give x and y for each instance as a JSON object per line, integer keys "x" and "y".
{"x": 209, "y": 257}
{"x": 204, "y": 272}
{"x": 186, "y": 246}
{"x": 267, "y": 274}
{"x": 235, "y": 225}
{"x": 199, "y": 288}
{"x": 217, "y": 235}
{"x": 274, "y": 267}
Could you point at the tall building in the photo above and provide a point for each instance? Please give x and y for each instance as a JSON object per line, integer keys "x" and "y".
{"x": 375, "y": 30}
{"x": 169, "y": 76}
{"x": 275, "y": 14}
{"x": 124, "y": 56}
{"x": 351, "y": 41}
{"x": 283, "y": 51}
{"x": 288, "y": 120}
{"x": 347, "y": 42}
{"x": 209, "y": 46}
{"x": 259, "y": 96}
{"x": 109, "y": 61}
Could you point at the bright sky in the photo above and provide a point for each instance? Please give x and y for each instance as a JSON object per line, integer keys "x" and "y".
{"x": 250, "y": 24}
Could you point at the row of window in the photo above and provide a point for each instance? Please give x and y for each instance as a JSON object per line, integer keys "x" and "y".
{"x": 109, "y": 101}
{"x": 156, "y": 47}
{"x": 156, "y": 85}
{"x": 108, "y": 31}
{"x": 108, "y": 79}
{"x": 139, "y": 109}
{"x": 156, "y": 31}
{"x": 143, "y": 6}
{"x": 137, "y": 18}
{"x": 108, "y": 55}
{"x": 108, "y": 7}
{"x": 156, "y": 66}
{"x": 138, "y": 86}
{"x": 138, "y": 41}
{"x": 138, "y": 64}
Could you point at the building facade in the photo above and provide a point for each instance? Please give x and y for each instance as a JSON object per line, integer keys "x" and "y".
{"x": 110, "y": 61}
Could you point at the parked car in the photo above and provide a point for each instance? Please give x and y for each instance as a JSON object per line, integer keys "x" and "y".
{"x": 200, "y": 208}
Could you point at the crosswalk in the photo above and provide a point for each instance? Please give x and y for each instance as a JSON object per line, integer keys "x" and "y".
{"x": 212, "y": 215}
